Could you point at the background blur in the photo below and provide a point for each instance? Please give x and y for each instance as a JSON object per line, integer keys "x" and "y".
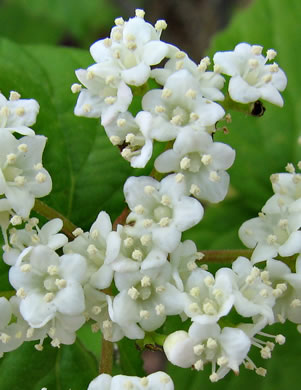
{"x": 78, "y": 23}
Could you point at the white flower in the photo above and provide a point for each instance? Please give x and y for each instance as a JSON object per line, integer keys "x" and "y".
{"x": 137, "y": 251}
{"x": 253, "y": 296}
{"x": 22, "y": 176}
{"x": 99, "y": 247}
{"x": 17, "y": 114}
{"x": 209, "y": 298}
{"x": 131, "y": 50}
{"x": 202, "y": 162}
{"x": 101, "y": 98}
{"x": 251, "y": 78}
{"x": 31, "y": 235}
{"x": 207, "y": 343}
{"x": 145, "y": 299}
{"x": 178, "y": 105}
{"x": 158, "y": 380}
{"x": 210, "y": 83}
{"x": 162, "y": 208}
{"x": 272, "y": 234}
{"x": 132, "y": 136}
{"x": 48, "y": 284}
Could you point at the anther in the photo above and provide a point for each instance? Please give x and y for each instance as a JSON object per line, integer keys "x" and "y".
{"x": 14, "y": 96}
{"x": 115, "y": 140}
{"x": 121, "y": 122}
{"x": 195, "y": 292}
{"x": 139, "y": 13}
{"x": 160, "y": 25}
{"x": 23, "y": 148}
{"x": 48, "y": 297}
{"x": 159, "y": 109}
{"x": 40, "y": 177}
{"x": 20, "y": 111}
{"x": 164, "y": 221}
{"x": 191, "y": 93}
{"x": 25, "y": 268}
{"x": 16, "y": 220}
{"x": 211, "y": 343}
{"x": 206, "y": 159}
{"x": 139, "y": 209}
{"x": 96, "y": 310}
{"x": 110, "y": 100}
{"x": 271, "y": 54}
{"x": 199, "y": 365}
{"x": 11, "y": 158}
{"x": 144, "y": 314}
{"x": 128, "y": 242}
{"x": 137, "y": 255}
{"x": 20, "y": 181}
{"x": 179, "y": 177}
{"x": 185, "y": 163}
{"x": 166, "y": 93}
{"x": 61, "y": 283}
{"x": 52, "y": 270}
{"x": 77, "y": 232}
{"x": 149, "y": 190}
{"x": 76, "y": 88}
{"x": 214, "y": 177}
{"x": 198, "y": 349}
{"x": 133, "y": 293}
{"x": 160, "y": 309}
{"x": 195, "y": 190}
{"x": 146, "y": 281}
{"x": 256, "y": 50}
{"x": 87, "y": 108}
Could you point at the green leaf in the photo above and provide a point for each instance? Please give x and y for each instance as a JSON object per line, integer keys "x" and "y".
{"x": 67, "y": 367}
{"x": 55, "y": 21}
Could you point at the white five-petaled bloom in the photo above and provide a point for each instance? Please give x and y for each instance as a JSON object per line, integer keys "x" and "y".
{"x": 162, "y": 208}
{"x": 22, "y": 176}
{"x": 272, "y": 234}
{"x": 32, "y": 235}
{"x": 145, "y": 299}
{"x": 136, "y": 251}
{"x": 253, "y": 296}
{"x": 208, "y": 298}
{"x": 133, "y": 47}
{"x": 179, "y": 105}
{"x": 101, "y": 98}
{"x": 208, "y": 343}
{"x": 251, "y": 78}
{"x": 210, "y": 83}
{"x": 17, "y": 114}
{"x": 48, "y": 284}
{"x": 202, "y": 162}
{"x": 132, "y": 136}
{"x": 158, "y": 380}
{"x": 99, "y": 246}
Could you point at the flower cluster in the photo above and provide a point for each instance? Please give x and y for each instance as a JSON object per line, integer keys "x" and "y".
{"x": 62, "y": 284}
{"x": 22, "y": 176}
